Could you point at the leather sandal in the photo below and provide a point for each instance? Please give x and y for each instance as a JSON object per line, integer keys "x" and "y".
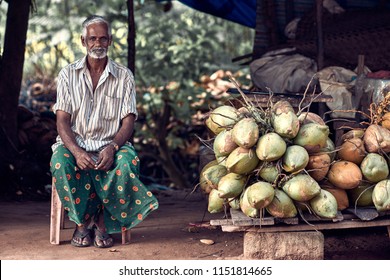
{"x": 107, "y": 240}
{"x": 85, "y": 236}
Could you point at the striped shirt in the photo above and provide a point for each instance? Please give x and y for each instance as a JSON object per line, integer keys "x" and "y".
{"x": 95, "y": 116}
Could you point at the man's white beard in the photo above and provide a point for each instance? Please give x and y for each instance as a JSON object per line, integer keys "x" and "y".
{"x": 97, "y": 53}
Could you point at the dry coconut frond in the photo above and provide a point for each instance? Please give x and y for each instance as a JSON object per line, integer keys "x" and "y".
{"x": 377, "y": 111}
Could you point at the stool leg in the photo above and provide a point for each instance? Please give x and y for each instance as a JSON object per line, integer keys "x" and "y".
{"x": 56, "y": 217}
{"x": 126, "y": 236}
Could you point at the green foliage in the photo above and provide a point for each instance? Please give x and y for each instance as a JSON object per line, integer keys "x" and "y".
{"x": 185, "y": 46}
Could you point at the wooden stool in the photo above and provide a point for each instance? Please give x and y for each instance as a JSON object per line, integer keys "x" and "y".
{"x": 57, "y": 223}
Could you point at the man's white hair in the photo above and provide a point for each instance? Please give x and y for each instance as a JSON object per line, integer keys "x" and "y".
{"x": 95, "y": 19}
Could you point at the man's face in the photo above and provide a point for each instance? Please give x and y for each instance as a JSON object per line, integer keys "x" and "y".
{"x": 97, "y": 40}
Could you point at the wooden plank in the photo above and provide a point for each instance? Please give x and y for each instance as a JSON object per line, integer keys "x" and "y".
{"x": 306, "y": 227}
{"x": 223, "y": 222}
{"x": 288, "y": 221}
{"x": 240, "y": 219}
{"x": 313, "y": 218}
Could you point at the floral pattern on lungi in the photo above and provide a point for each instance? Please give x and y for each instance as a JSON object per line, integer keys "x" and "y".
{"x": 121, "y": 195}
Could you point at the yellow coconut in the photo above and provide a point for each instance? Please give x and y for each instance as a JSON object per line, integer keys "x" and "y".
{"x": 385, "y": 122}
{"x": 352, "y": 150}
{"x": 377, "y": 139}
{"x": 345, "y": 174}
{"x": 318, "y": 166}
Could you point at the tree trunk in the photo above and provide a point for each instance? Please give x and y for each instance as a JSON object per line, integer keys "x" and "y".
{"x": 170, "y": 166}
{"x": 11, "y": 73}
{"x": 131, "y": 37}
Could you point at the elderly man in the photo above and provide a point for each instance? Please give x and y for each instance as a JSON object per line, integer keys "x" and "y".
{"x": 94, "y": 166}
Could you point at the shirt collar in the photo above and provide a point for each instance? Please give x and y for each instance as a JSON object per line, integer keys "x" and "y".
{"x": 110, "y": 67}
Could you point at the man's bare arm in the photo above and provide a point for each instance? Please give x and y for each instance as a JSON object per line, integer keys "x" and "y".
{"x": 83, "y": 159}
{"x": 106, "y": 157}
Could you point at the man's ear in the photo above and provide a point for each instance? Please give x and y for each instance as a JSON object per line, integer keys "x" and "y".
{"x": 110, "y": 40}
{"x": 83, "y": 41}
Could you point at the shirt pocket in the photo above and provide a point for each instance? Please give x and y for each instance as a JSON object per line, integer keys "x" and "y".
{"x": 111, "y": 107}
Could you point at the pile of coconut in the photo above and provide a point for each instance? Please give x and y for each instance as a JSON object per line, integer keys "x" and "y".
{"x": 282, "y": 161}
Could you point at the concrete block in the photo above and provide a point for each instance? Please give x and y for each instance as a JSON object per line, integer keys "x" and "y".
{"x": 303, "y": 245}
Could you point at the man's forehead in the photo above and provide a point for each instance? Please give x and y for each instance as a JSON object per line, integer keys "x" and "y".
{"x": 97, "y": 27}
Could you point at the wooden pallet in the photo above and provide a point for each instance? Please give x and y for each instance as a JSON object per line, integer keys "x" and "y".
{"x": 350, "y": 218}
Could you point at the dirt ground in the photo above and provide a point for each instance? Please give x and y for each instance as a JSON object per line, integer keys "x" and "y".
{"x": 172, "y": 232}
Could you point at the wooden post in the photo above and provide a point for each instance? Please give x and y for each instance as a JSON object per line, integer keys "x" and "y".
{"x": 131, "y": 37}
{"x": 320, "y": 35}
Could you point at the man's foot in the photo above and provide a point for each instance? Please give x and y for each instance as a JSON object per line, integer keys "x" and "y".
{"x": 82, "y": 237}
{"x": 102, "y": 239}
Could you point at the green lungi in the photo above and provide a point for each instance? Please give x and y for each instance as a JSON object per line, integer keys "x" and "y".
{"x": 121, "y": 195}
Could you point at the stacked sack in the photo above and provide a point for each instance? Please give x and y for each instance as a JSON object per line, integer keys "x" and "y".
{"x": 283, "y": 162}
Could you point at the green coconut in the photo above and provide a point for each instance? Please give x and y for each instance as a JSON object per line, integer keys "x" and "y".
{"x": 269, "y": 172}
{"x": 213, "y": 174}
{"x": 223, "y": 143}
{"x": 245, "y": 133}
{"x": 301, "y": 187}
{"x": 245, "y": 207}
{"x": 310, "y": 117}
{"x": 282, "y": 206}
{"x": 295, "y": 159}
{"x": 260, "y": 194}
{"x": 340, "y": 195}
{"x": 330, "y": 149}
{"x": 234, "y": 203}
{"x": 374, "y": 167}
{"x": 215, "y": 203}
{"x": 324, "y": 204}
{"x": 231, "y": 185}
{"x": 284, "y": 120}
{"x": 270, "y": 147}
{"x": 381, "y": 195}
{"x": 353, "y": 133}
{"x": 312, "y": 136}
{"x": 222, "y": 117}
{"x": 242, "y": 161}
{"x": 361, "y": 196}
{"x": 205, "y": 184}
